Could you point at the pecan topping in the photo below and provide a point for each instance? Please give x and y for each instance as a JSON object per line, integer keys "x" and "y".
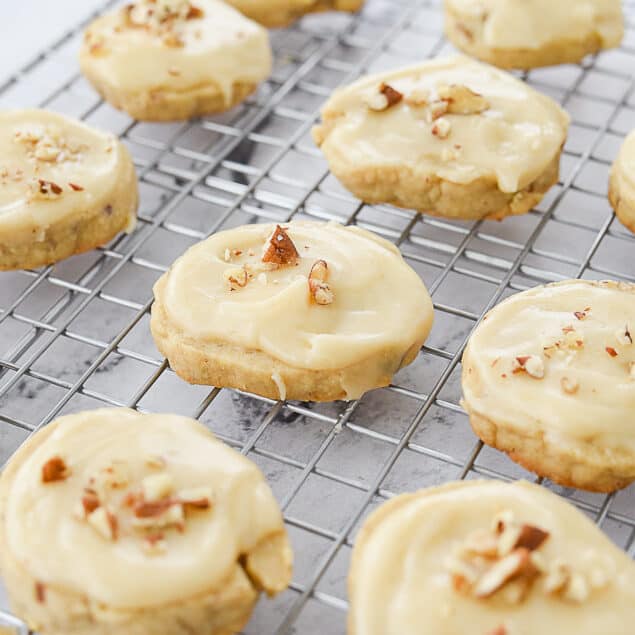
{"x": 515, "y": 564}
{"x": 196, "y": 497}
{"x": 624, "y": 336}
{"x": 319, "y": 288}
{"x": 75, "y": 187}
{"x": 90, "y": 502}
{"x": 392, "y": 96}
{"x": 155, "y": 544}
{"x": 280, "y": 249}
{"x": 531, "y": 537}
{"x": 580, "y": 315}
{"x": 385, "y": 98}
{"x": 441, "y": 128}
{"x": 148, "y": 509}
{"x": 499, "y": 630}
{"x": 157, "y": 487}
{"x": 462, "y": 100}
{"x": 611, "y": 351}
{"x": 40, "y": 592}
{"x": 55, "y": 469}
{"x": 104, "y": 522}
{"x": 438, "y": 109}
{"x": 237, "y": 277}
{"x": 530, "y": 364}
{"x": 49, "y": 189}
{"x": 570, "y": 386}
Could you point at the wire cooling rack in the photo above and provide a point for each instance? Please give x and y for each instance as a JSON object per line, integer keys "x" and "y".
{"x": 76, "y": 336}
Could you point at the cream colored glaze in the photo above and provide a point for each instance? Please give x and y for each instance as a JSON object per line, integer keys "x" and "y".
{"x": 101, "y": 162}
{"x": 380, "y": 302}
{"x": 625, "y": 169}
{"x": 401, "y": 585}
{"x": 58, "y": 549}
{"x": 223, "y": 47}
{"x": 531, "y": 24}
{"x": 602, "y": 408}
{"x": 513, "y": 141}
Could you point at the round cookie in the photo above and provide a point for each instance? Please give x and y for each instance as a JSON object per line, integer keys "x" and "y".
{"x": 549, "y": 378}
{"x": 309, "y": 311}
{"x": 487, "y": 558}
{"x": 118, "y": 523}
{"x": 527, "y": 34}
{"x": 622, "y": 183}
{"x": 167, "y": 60}
{"x": 450, "y": 137}
{"x": 280, "y": 13}
{"x": 65, "y": 188}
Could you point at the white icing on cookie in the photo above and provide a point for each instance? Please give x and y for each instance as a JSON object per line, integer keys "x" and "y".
{"x": 401, "y": 581}
{"x": 116, "y": 453}
{"x": 53, "y": 167}
{"x": 207, "y": 42}
{"x": 559, "y": 361}
{"x": 512, "y": 134}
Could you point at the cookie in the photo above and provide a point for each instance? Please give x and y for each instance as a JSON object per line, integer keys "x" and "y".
{"x": 65, "y": 188}
{"x": 487, "y": 558}
{"x": 118, "y": 523}
{"x": 527, "y": 34}
{"x": 622, "y": 183}
{"x": 174, "y": 59}
{"x": 308, "y": 311}
{"x": 549, "y": 378}
{"x": 449, "y": 137}
{"x": 280, "y": 13}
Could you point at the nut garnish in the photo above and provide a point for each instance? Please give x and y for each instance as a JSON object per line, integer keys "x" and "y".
{"x": 499, "y": 630}
{"x": 104, "y": 522}
{"x": 54, "y": 470}
{"x": 237, "y": 277}
{"x": 40, "y": 592}
{"x": 580, "y": 315}
{"x": 90, "y": 501}
{"x": 624, "y": 336}
{"x": 384, "y": 99}
{"x": 570, "y": 386}
{"x": 438, "y": 109}
{"x": 319, "y": 288}
{"x": 280, "y": 249}
{"x": 155, "y": 544}
{"x": 157, "y": 487}
{"x": 75, "y": 187}
{"x": 195, "y": 497}
{"x": 611, "y": 351}
{"x": 462, "y": 100}
{"x": 161, "y": 518}
{"x": 513, "y": 565}
{"x": 530, "y": 364}
{"x": 441, "y": 128}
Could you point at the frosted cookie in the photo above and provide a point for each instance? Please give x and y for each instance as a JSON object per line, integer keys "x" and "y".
{"x": 65, "y": 188}
{"x": 279, "y": 13}
{"x": 308, "y": 311}
{"x": 487, "y": 558}
{"x": 117, "y": 523}
{"x": 530, "y": 33}
{"x": 171, "y": 59}
{"x": 450, "y": 137}
{"x": 549, "y": 378}
{"x": 622, "y": 183}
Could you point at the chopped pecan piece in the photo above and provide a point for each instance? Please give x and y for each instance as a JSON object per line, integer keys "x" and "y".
{"x": 531, "y": 537}
{"x": 580, "y": 315}
{"x": 611, "y": 351}
{"x": 237, "y": 277}
{"x": 385, "y": 98}
{"x": 196, "y": 497}
{"x": 194, "y": 13}
{"x": 319, "y": 288}
{"x": 441, "y": 128}
{"x": 104, "y": 522}
{"x": 90, "y": 501}
{"x": 40, "y": 592}
{"x": 75, "y": 187}
{"x": 570, "y": 386}
{"x": 155, "y": 544}
{"x": 157, "y": 487}
{"x": 530, "y": 364}
{"x": 462, "y": 100}
{"x": 511, "y": 566}
{"x": 48, "y": 188}
{"x": 55, "y": 469}
{"x": 148, "y": 509}
{"x": 280, "y": 249}
{"x": 499, "y": 630}
{"x": 624, "y": 336}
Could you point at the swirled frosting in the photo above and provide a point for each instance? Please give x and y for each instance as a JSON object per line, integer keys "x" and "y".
{"x": 111, "y": 453}
{"x": 400, "y": 583}
{"x": 530, "y": 24}
{"x": 53, "y": 167}
{"x": 217, "y": 45}
{"x": 513, "y": 135}
{"x": 380, "y": 304}
{"x": 578, "y": 382}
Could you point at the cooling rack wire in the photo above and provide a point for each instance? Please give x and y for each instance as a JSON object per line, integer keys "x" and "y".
{"x": 76, "y": 336}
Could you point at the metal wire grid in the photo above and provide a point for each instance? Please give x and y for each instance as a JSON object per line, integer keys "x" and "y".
{"x": 76, "y": 336}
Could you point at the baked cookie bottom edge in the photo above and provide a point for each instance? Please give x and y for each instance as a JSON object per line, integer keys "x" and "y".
{"x": 285, "y": 17}
{"x": 435, "y": 196}
{"x": 226, "y": 365}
